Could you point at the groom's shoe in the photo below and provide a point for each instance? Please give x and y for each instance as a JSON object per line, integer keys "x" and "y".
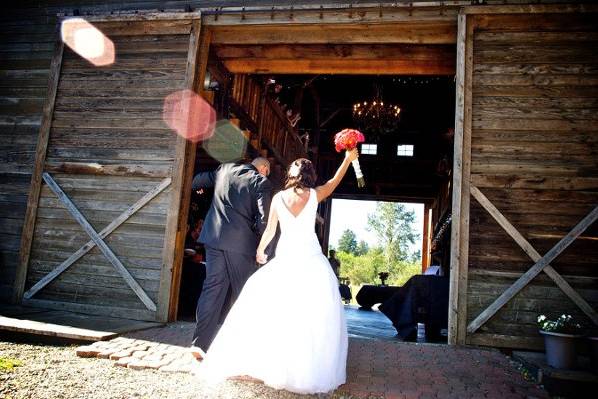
{"x": 197, "y": 352}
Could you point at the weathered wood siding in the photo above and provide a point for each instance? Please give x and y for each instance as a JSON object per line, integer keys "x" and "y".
{"x": 25, "y": 53}
{"x": 534, "y": 154}
{"x": 109, "y": 145}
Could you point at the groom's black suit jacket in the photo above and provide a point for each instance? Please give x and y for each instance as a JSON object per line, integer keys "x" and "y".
{"x": 239, "y": 211}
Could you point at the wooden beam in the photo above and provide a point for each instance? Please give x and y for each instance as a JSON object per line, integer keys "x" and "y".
{"x": 340, "y": 66}
{"x": 401, "y": 32}
{"x": 99, "y": 242}
{"x": 153, "y": 169}
{"x": 531, "y": 9}
{"x": 53, "y": 330}
{"x": 329, "y": 117}
{"x": 126, "y": 313}
{"x": 143, "y": 23}
{"x": 136, "y": 28}
{"x": 182, "y": 171}
{"x": 533, "y": 254}
{"x": 533, "y": 271}
{"x": 506, "y": 341}
{"x": 142, "y": 16}
{"x": 388, "y": 197}
{"x": 38, "y": 168}
{"x": 551, "y": 22}
{"x": 375, "y": 13}
{"x": 411, "y": 52}
{"x": 461, "y": 180}
{"x": 584, "y": 281}
{"x": 103, "y": 234}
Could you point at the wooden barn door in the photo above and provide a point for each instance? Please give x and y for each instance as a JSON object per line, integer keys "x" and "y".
{"x": 105, "y": 200}
{"x": 525, "y": 198}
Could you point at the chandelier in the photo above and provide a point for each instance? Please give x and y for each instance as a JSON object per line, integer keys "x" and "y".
{"x": 376, "y": 116}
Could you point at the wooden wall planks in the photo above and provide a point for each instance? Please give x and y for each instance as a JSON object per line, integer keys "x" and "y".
{"x": 108, "y": 145}
{"x": 535, "y": 156}
{"x": 24, "y": 68}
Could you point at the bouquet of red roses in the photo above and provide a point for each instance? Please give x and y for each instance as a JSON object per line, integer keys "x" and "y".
{"x": 347, "y": 139}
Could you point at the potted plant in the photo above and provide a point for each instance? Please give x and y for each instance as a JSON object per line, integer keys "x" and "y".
{"x": 383, "y": 276}
{"x": 560, "y": 338}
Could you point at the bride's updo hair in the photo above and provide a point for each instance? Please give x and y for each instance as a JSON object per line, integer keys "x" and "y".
{"x": 301, "y": 174}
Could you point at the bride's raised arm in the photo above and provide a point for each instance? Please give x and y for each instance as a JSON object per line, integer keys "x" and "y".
{"x": 260, "y": 256}
{"x": 328, "y": 188}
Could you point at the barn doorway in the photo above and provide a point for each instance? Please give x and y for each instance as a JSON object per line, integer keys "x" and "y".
{"x": 411, "y": 163}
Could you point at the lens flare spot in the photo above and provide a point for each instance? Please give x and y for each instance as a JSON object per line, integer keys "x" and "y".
{"x": 189, "y": 115}
{"x": 87, "y": 41}
{"x": 228, "y": 144}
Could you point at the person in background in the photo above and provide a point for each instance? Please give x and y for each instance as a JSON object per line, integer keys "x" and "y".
{"x": 335, "y": 264}
{"x": 343, "y": 288}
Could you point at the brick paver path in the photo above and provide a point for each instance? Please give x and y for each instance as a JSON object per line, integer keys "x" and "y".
{"x": 375, "y": 368}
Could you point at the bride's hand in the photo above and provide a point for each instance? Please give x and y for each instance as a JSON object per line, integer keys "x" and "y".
{"x": 261, "y": 257}
{"x": 352, "y": 155}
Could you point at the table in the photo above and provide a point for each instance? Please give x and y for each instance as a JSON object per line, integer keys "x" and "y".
{"x": 370, "y": 295}
{"x": 423, "y": 299}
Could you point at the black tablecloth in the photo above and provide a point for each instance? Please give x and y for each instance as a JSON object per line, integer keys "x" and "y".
{"x": 423, "y": 299}
{"x": 370, "y": 295}
{"x": 345, "y": 292}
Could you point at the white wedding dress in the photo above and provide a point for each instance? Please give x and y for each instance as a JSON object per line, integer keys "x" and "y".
{"x": 287, "y": 328}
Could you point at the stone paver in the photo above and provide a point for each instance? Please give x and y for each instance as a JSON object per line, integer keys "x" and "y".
{"x": 375, "y": 368}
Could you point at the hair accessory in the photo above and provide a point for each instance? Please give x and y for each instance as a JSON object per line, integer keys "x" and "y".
{"x": 294, "y": 170}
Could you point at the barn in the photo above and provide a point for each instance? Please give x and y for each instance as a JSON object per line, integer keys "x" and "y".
{"x": 95, "y": 185}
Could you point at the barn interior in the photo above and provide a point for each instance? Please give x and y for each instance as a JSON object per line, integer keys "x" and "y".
{"x": 407, "y": 155}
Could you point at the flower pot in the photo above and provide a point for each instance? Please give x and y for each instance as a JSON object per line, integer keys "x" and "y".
{"x": 594, "y": 352}
{"x": 561, "y": 350}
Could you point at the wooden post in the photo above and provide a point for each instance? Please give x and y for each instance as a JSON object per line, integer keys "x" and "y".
{"x": 426, "y": 239}
{"x": 327, "y": 210}
{"x": 38, "y": 168}
{"x": 197, "y": 61}
{"x": 261, "y": 114}
{"x": 182, "y": 171}
{"x": 284, "y": 145}
{"x": 461, "y": 167}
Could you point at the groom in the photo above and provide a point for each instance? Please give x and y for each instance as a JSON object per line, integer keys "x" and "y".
{"x": 235, "y": 221}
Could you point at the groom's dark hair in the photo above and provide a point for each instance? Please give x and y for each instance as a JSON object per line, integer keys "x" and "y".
{"x": 301, "y": 174}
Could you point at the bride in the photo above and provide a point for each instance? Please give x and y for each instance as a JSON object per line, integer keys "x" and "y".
{"x": 288, "y": 328}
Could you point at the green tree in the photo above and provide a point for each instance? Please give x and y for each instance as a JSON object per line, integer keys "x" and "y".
{"x": 392, "y": 223}
{"x": 416, "y": 256}
{"x": 362, "y": 269}
{"x": 362, "y": 248}
{"x": 348, "y": 242}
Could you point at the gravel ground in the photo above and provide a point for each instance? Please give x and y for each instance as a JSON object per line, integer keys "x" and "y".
{"x": 55, "y": 372}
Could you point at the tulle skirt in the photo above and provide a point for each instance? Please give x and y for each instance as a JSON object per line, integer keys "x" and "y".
{"x": 287, "y": 328}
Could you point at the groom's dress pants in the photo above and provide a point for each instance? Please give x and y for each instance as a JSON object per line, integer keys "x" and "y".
{"x": 225, "y": 271}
